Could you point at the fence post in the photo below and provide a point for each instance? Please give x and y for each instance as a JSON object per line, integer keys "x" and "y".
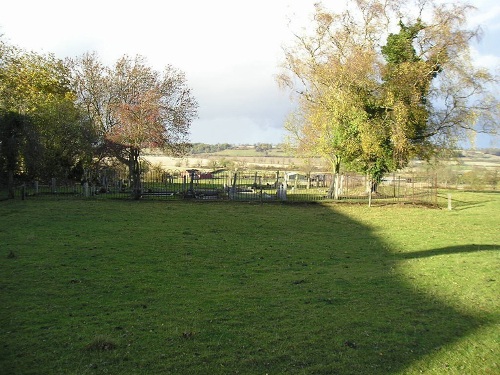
{"x": 413, "y": 188}
{"x": 53, "y": 185}
{"x": 232, "y": 194}
{"x": 260, "y": 187}
{"x": 399, "y": 187}
{"x": 394, "y": 184}
{"x": 86, "y": 189}
{"x": 191, "y": 183}
{"x": 435, "y": 190}
{"x": 36, "y": 187}
{"x": 449, "y": 202}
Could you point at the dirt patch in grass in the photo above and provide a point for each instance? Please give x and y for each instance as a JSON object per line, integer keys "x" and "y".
{"x": 101, "y": 343}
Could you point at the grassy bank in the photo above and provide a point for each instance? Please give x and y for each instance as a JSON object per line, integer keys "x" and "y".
{"x": 91, "y": 287}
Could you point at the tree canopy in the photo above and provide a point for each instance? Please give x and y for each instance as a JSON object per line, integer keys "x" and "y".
{"x": 43, "y": 134}
{"x": 59, "y": 116}
{"x": 372, "y": 93}
{"x": 132, "y": 106}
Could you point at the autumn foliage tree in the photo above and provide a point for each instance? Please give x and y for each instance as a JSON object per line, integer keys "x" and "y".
{"x": 42, "y": 134}
{"x": 133, "y": 107}
{"x": 380, "y": 82}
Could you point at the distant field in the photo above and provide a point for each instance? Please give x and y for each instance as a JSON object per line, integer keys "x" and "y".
{"x": 471, "y": 159}
{"x": 467, "y": 157}
{"x": 126, "y": 287}
{"x": 254, "y": 153}
{"x": 279, "y": 158}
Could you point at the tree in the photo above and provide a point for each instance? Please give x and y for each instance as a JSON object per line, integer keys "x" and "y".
{"x": 18, "y": 143}
{"x": 132, "y": 106}
{"x": 37, "y": 104}
{"x": 373, "y": 99}
{"x": 263, "y": 147}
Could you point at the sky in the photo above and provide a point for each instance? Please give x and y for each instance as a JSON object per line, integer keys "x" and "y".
{"x": 230, "y": 50}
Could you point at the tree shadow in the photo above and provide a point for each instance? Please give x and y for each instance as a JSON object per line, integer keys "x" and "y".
{"x": 472, "y": 248}
{"x": 459, "y": 205}
{"x": 234, "y": 288}
{"x": 338, "y": 307}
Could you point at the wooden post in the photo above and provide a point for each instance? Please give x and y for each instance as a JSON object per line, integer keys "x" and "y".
{"x": 449, "y": 202}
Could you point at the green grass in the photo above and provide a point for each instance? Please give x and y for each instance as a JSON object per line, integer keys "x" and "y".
{"x": 125, "y": 287}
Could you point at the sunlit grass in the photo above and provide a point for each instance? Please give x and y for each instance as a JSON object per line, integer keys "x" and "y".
{"x": 91, "y": 287}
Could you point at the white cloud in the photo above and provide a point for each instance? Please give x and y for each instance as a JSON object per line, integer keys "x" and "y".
{"x": 236, "y": 130}
{"x": 229, "y": 50}
{"x": 487, "y": 14}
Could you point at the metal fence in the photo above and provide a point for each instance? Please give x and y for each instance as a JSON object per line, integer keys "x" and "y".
{"x": 247, "y": 186}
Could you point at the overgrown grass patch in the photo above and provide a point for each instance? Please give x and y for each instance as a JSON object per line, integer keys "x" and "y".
{"x": 208, "y": 288}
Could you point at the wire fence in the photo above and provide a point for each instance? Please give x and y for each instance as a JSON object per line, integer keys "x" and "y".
{"x": 262, "y": 186}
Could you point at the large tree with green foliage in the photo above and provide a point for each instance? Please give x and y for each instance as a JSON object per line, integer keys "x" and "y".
{"x": 132, "y": 106}
{"x": 381, "y": 82}
{"x": 37, "y": 108}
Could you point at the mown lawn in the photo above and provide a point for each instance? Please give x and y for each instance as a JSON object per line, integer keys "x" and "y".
{"x": 125, "y": 287}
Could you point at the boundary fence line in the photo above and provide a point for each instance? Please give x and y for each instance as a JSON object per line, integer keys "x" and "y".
{"x": 245, "y": 186}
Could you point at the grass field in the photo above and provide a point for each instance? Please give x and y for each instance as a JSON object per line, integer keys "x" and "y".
{"x": 126, "y": 287}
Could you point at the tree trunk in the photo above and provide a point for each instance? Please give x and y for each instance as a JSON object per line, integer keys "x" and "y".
{"x": 334, "y": 191}
{"x": 10, "y": 183}
{"x": 338, "y": 183}
{"x": 370, "y": 198}
{"x": 371, "y": 187}
{"x": 135, "y": 172}
{"x": 371, "y": 184}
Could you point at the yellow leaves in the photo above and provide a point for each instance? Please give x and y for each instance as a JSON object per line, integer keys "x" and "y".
{"x": 32, "y": 83}
{"x": 399, "y": 129}
{"x": 70, "y": 96}
{"x": 372, "y": 134}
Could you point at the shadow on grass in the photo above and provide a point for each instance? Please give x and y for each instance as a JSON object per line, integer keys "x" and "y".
{"x": 312, "y": 291}
{"x": 448, "y": 251}
{"x": 459, "y": 205}
{"x": 234, "y": 289}
{"x": 324, "y": 299}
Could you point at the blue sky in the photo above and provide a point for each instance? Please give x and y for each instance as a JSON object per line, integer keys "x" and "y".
{"x": 230, "y": 50}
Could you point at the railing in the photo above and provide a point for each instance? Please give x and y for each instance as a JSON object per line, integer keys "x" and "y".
{"x": 238, "y": 186}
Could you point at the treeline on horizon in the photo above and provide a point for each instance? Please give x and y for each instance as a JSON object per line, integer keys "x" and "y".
{"x": 205, "y": 148}
{"x": 489, "y": 151}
